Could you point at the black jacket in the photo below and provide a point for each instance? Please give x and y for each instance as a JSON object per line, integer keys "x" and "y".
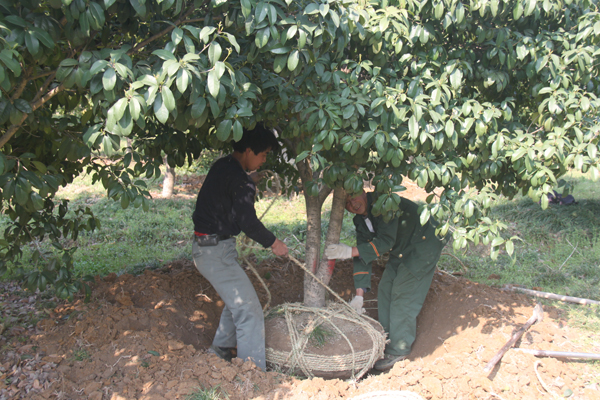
{"x": 225, "y": 204}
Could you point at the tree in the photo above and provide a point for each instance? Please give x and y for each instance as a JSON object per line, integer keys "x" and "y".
{"x": 480, "y": 99}
{"x": 169, "y": 181}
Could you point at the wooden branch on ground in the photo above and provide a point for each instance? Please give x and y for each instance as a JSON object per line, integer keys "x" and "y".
{"x": 538, "y": 315}
{"x": 552, "y": 296}
{"x": 560, "y": 354}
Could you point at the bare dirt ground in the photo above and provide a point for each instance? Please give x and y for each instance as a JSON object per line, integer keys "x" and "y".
{"x": 145, "y": 338}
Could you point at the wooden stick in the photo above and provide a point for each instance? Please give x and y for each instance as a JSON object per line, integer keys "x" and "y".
{"x": 560, "y": 354}
{"x": 538, "y": 315}
{"x": 553, "y": 296}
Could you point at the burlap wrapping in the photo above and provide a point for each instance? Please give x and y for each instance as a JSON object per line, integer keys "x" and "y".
{"x": 355, "y": 341}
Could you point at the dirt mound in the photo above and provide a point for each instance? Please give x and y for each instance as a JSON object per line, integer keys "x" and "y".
{"x": 144, "y": 337}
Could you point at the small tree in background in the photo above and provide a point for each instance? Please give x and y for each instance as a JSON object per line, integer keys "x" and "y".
{"x": 478, "y": 99}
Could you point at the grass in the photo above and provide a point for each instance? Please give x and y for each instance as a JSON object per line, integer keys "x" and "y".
{"x": 213, "y": 393}
{"x": 318, "y": 336}
{"x": 559, "y": 251}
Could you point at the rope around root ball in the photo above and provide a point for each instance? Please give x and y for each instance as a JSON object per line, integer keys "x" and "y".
{"x": 358, "y": 363}
{"x": 297, "y": 358}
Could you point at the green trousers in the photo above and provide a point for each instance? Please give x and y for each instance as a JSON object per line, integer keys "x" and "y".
{"x": 400, "y": 297}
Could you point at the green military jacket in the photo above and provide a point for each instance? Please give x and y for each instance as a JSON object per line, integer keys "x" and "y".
{"x": 404, "y": 237}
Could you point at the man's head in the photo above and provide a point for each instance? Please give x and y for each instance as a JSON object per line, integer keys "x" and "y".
{"x": 258, "y": 140}
{"x": 357, "y": 204}
{"x": 252, "y": 149}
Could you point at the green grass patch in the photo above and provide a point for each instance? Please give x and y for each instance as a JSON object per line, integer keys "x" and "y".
{"x": 213, "y": 393}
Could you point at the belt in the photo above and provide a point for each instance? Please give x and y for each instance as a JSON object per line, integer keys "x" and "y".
{"x": 220, "y": 237}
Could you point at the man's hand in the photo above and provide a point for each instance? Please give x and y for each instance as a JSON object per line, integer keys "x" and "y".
{"x": 338, "y": 252}
{"x": 357, "y": 304}
{"x": 279, "y": 248}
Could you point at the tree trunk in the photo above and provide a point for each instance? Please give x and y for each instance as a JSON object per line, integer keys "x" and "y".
{"x": 169, "y": 181}
{"x": 314, "y": 292}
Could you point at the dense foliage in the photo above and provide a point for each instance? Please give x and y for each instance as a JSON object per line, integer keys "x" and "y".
{"x": 478, "y": 98}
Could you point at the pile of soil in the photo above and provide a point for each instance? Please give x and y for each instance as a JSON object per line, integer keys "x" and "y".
{"x": 145, "y": 337}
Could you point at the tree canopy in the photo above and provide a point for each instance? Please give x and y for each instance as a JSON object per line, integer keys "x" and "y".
{"x": 478, "y": 98}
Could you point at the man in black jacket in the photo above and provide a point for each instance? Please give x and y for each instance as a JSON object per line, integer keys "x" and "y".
{"x": 224, "y": 208}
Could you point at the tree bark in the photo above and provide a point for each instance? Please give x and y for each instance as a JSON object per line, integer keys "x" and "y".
{"x": 314, "y": 292}
{"x": 169, "y": 181}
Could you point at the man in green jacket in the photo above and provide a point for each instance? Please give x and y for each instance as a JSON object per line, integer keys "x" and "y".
{"x": 414, "y": 252}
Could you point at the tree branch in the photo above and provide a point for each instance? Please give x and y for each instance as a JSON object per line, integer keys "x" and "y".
{"x": 166, "y": 30}
{"x": 323, "y": 193}
{"x": 17, "y": 94}
{"x": 34, "y": 106}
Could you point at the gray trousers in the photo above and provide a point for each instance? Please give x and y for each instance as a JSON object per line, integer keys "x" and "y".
{"x": 242, "y": 322}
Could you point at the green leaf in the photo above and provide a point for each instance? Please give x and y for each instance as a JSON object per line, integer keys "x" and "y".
{"x": 529, "y": 7}
{"x": 424, "y": 217}
{"x": 198, "y": 107}
{"x": 213, "y": 83}
{"x": 164, "y": 54}
{"x": 348, "y": 111}
{"x": 177, "y": 35}
{"x": 456, "y": 78}
{"x": 6, "y": 56}
{"x": 23, "y": 106}
{"x": 182, "y": 80}
{"x": 32, "y": 43}
{"x": 214, "y": 52}
{"x": 224, "y": 130}
{"x": 518, "y": 10}
{"x": 119, "y": 108}
{"x": 413, "y": 127}
{"x": 205, "y": 32}
{"x": 312, "y": 8}
{"x": 422, "y": 178}
{"x": 497, "y": 241}
{"x": 36, "y": 199}
{"x": 68, "y": 62}
{"x": 238, "y": 131}
{"x": 510, "y": 247}
{"x": 280, "y": 63}
{"x": 22, "y": 193}
{"x": 262, "y": 37}
{"x": 293, "y": 60}
{"x": 109, "y": 79}
{"x": 233, "y": 41}
{"x": 160, "y": 110}
{"x": 246, "y": 8}
{"x": 98, "y": 66}
{"x": 139, "y": 6}
{"x": 168, "y": 99}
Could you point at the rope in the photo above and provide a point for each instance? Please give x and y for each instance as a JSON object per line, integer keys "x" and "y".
{"x": 296, "y": 358}
{"x": 546, "y": 388}
{"x": 357, "y": 362}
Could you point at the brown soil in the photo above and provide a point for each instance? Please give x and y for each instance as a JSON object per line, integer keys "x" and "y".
{"x": 145, "y": 337}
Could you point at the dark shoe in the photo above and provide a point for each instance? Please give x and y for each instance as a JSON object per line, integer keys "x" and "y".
{"x": 387, "y": 362}
{"x": 221, "y": 352}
